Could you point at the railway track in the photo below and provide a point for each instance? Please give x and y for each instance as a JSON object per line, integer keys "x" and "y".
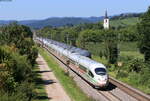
{"x": 140, "y": 96}
{"x": 110, "y": 95}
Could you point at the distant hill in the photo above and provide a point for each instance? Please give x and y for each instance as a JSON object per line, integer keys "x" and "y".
{"x": 117, "y": 20}
{"x": 56, "y": 21}
{"x": 3, "y": 22}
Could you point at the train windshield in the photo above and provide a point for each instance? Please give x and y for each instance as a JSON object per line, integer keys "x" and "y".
{"x": 100, "y": 71}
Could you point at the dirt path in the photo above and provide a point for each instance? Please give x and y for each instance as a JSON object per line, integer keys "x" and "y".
{"x": 53, "y": 88}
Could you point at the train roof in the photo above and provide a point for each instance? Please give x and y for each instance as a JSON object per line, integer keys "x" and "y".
{"x": 76, "y": 54}
{"x": 91, "y": 63}
{"x": 70, "y": 48}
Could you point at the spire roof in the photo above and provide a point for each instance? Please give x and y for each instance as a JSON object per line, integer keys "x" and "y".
{"x": 106, "y": 14}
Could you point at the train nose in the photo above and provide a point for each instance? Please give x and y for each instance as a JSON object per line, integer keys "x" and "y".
{"x": 102, "y": 84}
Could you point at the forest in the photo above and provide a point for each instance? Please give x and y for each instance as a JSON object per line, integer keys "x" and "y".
{"x": 18, "y": 53}
{"x": 125, "y": 50}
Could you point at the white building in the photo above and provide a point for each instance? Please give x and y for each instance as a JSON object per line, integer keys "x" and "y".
{"x": 106, "y": 21}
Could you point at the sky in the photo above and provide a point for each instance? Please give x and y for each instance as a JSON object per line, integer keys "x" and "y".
{"x": 41, "y": 9}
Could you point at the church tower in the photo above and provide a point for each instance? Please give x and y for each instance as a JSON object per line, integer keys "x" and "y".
{"x": 106, "y": 21}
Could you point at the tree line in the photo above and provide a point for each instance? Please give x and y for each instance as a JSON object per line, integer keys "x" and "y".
{"x": 126, "y": 15}
{"x": 18, "y": 53}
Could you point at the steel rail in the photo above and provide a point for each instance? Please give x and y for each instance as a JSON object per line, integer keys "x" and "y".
{"x": 109, "y": 96}
{"x": 130, "y": 90}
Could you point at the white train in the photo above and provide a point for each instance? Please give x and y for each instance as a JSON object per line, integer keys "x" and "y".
{"x": 79, "y": 60}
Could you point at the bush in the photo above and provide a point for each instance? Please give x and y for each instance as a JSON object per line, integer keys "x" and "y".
{"x": 141, "y": 77}
{"x": 134, "y": 78}
{"x": 15, "y": 68}
{"x": 28, "y": 89}
{"x": 126, "y": 58}
{"x": 21, "y": 68}
{"x": 33, "y": 55}
{"x": 12, "y": 97}
{"x": 145, "y": 76}
{"x": 135, "y": 65}
{"x": 122, "y": 74}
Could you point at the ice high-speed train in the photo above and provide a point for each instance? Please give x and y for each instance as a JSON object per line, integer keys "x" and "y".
{"x": 79, "y": 60}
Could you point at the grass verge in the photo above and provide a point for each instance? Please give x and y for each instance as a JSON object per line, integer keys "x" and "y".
{"x": 75, "y": 93}
{"x": 40, "y": 89}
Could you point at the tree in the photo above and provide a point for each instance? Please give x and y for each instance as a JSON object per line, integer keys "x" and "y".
{"x": 111, "y": 46}
{"x": 20, "y": 37}
{"x": 69, "y": 36}
{"x": 17, "y": 57}
{"x": 15, "y": 33}
{"x": 144, "y": 32}
{"x": 129, "y": 33}
{"x": 14, "y": 68}
{"x": 89, "y": 36}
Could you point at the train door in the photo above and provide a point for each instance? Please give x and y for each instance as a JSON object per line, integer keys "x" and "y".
{"x": 90, "y": 76}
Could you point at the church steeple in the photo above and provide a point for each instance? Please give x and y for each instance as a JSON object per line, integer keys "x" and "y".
{"x": 106, "y": 21}
{"x": 106, "y": 14}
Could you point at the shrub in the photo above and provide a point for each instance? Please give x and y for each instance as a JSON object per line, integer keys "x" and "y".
{"x": 21, "y": 68}
{"x": 14, "y": 68}
{"x": 135, "y": 65}
{"x": 122, "y": 74}
{"x": 33, "y": 55}
{"x": 27, "y": 89}
{"x": 134, "y": 78}
{"x": 141, "y": 77}
{"x": 145, "y": 76}
{"x": 12, "y": 97}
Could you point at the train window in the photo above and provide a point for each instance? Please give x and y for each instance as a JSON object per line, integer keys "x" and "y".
{"x": 100, "y": 71}
{"x": 91, "y": 74}
{"x": 82, "y": 67}
{"x": 72, "y": 61}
